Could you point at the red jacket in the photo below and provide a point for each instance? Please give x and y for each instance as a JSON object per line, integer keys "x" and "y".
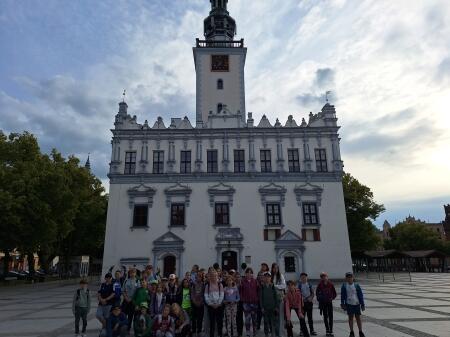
{"x": 249, "y": 291}
{"x": 293, "y": 300}
{"x": 325, "y": 293}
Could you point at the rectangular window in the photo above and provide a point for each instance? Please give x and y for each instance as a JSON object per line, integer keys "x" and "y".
{"x": 185, "y": 162}
{"x": 212, "y": 166}
{"x": 273, "y": 214}
{"x": 177, "y": 214}
{"x": 158, "y": 162}
{"x": 130, "y": 162}
{"x": 289, "y": 264}
{"x": 266, "y": 161}
{"x": 321, "y": 160}
{"x": 239, "y": 161}
{"x": 293, "y": 160}
{"x": 310, "y": 214}
{"x": 271, "y": 234}
{"x": 140, "y": 216}
{"x": 311, "y": 234}
{"x": 222, "y": 214}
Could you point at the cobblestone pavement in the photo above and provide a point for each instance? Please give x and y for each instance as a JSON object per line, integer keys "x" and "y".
{"x": 420, "y": 308}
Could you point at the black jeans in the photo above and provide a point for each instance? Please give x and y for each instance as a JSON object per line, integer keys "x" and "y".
{"x": 215, "y": 318}
{"x": 303, "y": 327}
{"x": 197, "y": 318}
{"x": 186, "y": 331}
{"x": 258, "y": 318}
{"x": 308, "y": 306}
{"x": 129, "y": 310}
{"x": 327, "y": 309}
{"x": 80, "y": 313}
{"x": 240, "y": 319}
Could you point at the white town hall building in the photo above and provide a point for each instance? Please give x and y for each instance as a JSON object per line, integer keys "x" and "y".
{"x": 227, "y": 189}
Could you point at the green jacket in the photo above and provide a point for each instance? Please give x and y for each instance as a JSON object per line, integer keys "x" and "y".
{"x": 81, "y": 299}
{"x": 143, "y": 328}
{"x": 268, "y": 297}
{"x": 140, "y": 296}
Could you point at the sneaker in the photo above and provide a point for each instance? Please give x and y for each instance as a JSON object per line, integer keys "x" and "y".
{"x": 352, "y": 334}
{"x": 313, "y": 333}
{"x": 331, "y": 334}
{"x": 361, "y": 334}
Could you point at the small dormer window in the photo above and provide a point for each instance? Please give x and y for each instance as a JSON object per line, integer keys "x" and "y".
{"x": 219, "y": 84}
{"x": 219, "y": 107}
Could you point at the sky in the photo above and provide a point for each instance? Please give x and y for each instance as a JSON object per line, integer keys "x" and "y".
{"x": 65, "y": 64}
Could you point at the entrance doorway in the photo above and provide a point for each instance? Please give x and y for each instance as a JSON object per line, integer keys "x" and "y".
{"x": 169, "y": 265}
{"x": 229, "y": 260}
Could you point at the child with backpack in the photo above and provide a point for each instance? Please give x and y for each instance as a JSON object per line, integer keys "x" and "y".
{"x": 352, "y": 301}
{"x": 81, "y": 305}
{"x": 294, "y": 301}
{"x": 307, "y": 291}
{"x": 231, "y": 299}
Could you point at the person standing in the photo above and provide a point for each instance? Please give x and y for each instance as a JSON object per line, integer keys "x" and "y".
{"x": 352, "y": 301}
{"x": 185, "y": 290}
{"x": 240, "y": 310}
{"x": 231, "y": 300}
{"x": 279, "y": 282}
{"x": 214, "y": 298}
{"x": 307, "y": 291}
{"x": 129, "y": 288}
{"x": 260, "y": 280}
{"x": 172, "y": 291}
{"x": 117, "y": 287}
{"x": 294, "y": 301}
{"x": 158, "y": 301}
{"x": 325, "y": 294}
{"x": 105, "y": 297}
{"x": 269, "y": 302}
{"x": 250, "y": 301}
{"x": 197, "y": 301}
{"x": 81, "y": 305}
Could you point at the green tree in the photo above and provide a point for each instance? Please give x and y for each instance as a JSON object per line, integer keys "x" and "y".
{"x": 413, "y": 235}
{"x": 361, "y": 210}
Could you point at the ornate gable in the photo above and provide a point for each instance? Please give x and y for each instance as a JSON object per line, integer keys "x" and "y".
{"x": 308, "y": 190}
{"x": 272, "y": 190}
{"x": 168, "y": 238}
{"x": 141, "y": 191}
{"x": 221, "y": 189}
{"x": 178, "y": 190}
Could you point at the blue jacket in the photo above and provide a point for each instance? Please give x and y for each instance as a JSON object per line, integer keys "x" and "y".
{"x": 359, "y": 293}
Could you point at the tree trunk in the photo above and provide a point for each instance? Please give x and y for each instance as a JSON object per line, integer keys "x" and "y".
{"x": 6, "y": 260}
{"x": 30, "y": 258}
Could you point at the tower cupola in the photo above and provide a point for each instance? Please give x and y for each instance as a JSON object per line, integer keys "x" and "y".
{"x": 219, "y": 25}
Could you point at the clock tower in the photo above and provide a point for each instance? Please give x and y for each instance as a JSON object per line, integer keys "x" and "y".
{"x": 219, "y": 66}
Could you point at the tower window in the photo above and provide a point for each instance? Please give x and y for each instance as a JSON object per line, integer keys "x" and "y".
{"x": 130, "y": 162}
{"x": 219, "y": 107}
{"x": 219, "y": 84}
{"x": 266, "y": 162}
{"x": 158, "y": 162}
{"x": 212, "y": 165}
{"x": 321, "y": 160}
{"x": 140, "y": 215}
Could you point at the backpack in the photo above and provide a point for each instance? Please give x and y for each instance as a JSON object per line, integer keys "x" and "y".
{"x": 77, "y": 298}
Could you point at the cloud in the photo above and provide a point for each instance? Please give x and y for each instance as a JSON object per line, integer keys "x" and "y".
{"x": 309, "y": 99}
{"x": 325, "y": 78}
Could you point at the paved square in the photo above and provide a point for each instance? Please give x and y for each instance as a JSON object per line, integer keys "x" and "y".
{"x": 420, "y": 308}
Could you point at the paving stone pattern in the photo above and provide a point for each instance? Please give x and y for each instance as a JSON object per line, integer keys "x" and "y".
{"x": 420, "y": 308}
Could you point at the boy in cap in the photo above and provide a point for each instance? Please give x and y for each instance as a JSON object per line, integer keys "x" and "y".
{"x": 307, "y": 291}
{"x": 352, "y": 301}
{"x": 326, "y": 293}
{"x": 81, "y": 305}
{"x": 117, "y": 323}
{"x": 269, "y": 301}
{"x": 172, "y": 290}
{"x": 143, "y": 323}
{"x": 105, "y": 297}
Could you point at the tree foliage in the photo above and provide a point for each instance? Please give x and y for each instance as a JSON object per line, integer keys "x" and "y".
{"x": 360, "y": 209}
{"x": 45, "y": 200}
{"x": 413, "y": 235}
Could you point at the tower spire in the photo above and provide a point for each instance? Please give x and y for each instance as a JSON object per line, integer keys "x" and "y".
{"x": 219, "y": 25}
{"x": 88, "y": 163}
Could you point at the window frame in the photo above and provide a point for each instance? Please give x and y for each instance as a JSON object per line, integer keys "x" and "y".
{"x": 308, "y": 214}
{"x": 292, "y": 264}
{"x": 266, "y": 164}
{"x": 219, "y": 217}
{"x": 320, "y": 155}
{"x": 174, "y": 223}
{"x": 220, "y": 84}
{"x": 185, "y": 161}
{"x": 294, "y": 163}
{"x": 239, "y": 163}
{"x": 273, "y": 210}
{"x": 135, "y": 216}
{"x": 158, "y": 166}
{"x": 212, "y": 166}
{"x": 130, "y": 164}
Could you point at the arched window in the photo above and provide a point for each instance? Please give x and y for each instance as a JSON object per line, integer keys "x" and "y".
{"x": 219, "y": 84}
{"x": 219, "y": 107}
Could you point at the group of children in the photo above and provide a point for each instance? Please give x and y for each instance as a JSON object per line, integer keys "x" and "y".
{"x": 203, "y": 301}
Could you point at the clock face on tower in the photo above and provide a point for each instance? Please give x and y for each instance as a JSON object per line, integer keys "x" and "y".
{"x": 220, "y": 63}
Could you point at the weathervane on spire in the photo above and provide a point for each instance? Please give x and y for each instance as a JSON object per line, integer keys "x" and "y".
{"x": 326, "y": 95}
{"x": 123, "y": 99}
